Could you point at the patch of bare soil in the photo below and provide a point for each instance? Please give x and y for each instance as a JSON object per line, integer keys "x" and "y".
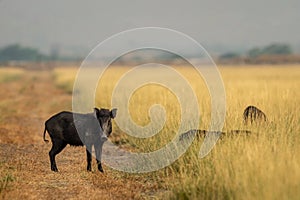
{"x": 25, "y": 105}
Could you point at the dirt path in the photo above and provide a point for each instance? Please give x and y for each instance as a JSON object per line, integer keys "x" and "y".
{"x": 24, "y": 164}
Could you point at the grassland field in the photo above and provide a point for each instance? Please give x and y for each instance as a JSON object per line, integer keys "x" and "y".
{"x": 263, "y": 165}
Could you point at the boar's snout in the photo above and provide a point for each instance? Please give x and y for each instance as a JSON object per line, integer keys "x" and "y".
{"x": 103, "y": 138}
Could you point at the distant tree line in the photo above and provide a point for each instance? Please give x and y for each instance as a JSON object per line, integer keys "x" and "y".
{"x": 276, "y": 51}
{"x": 16, "y": 52}
{"x": 272, "y": 49}
{"x": 274, "y": 54}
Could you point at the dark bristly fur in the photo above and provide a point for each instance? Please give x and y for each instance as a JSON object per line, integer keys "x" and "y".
{"x": 198, "y": 133}
{"x": 253, "y": 114}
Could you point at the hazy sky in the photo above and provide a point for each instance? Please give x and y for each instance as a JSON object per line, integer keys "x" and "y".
{"x": 81, "y": 25}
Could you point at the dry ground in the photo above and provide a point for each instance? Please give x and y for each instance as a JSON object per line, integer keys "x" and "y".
{"x": 25, "y": 104}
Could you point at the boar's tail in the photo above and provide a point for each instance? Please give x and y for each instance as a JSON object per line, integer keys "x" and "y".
{"x": 45, "y": 134}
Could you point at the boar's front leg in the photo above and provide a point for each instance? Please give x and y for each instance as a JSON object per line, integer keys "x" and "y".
{"x": 89, "y": 157}
{"x": 98, "y": 149}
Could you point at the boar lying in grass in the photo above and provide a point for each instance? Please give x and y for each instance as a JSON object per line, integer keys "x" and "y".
{"x": 253, "y": 114}
{"x": 92, "y": 129}
{"x": 198, "y": 133}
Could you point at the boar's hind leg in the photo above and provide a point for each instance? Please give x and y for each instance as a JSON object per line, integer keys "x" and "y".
{"x": 57, "y": 147}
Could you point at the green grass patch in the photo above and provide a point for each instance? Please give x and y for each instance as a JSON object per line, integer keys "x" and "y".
{"x": 5, "y": 181}
{"x": 10, "y": 74}
{"x": 64, "y": 79}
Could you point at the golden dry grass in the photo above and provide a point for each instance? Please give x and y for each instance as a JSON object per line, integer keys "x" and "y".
{"x": 264, "y": 165}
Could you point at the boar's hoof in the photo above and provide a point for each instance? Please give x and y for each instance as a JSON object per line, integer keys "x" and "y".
{"x": 100, "y": 168}
{"x": 89, "y": 168}
{"x": 54, "y": 169}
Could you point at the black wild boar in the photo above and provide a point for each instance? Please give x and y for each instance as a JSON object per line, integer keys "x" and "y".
{"x": 92, "y": 129}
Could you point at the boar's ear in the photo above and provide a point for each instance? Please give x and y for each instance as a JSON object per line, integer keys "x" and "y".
{"x": 113, "y": 113}
{"x": 96, "y": 112}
